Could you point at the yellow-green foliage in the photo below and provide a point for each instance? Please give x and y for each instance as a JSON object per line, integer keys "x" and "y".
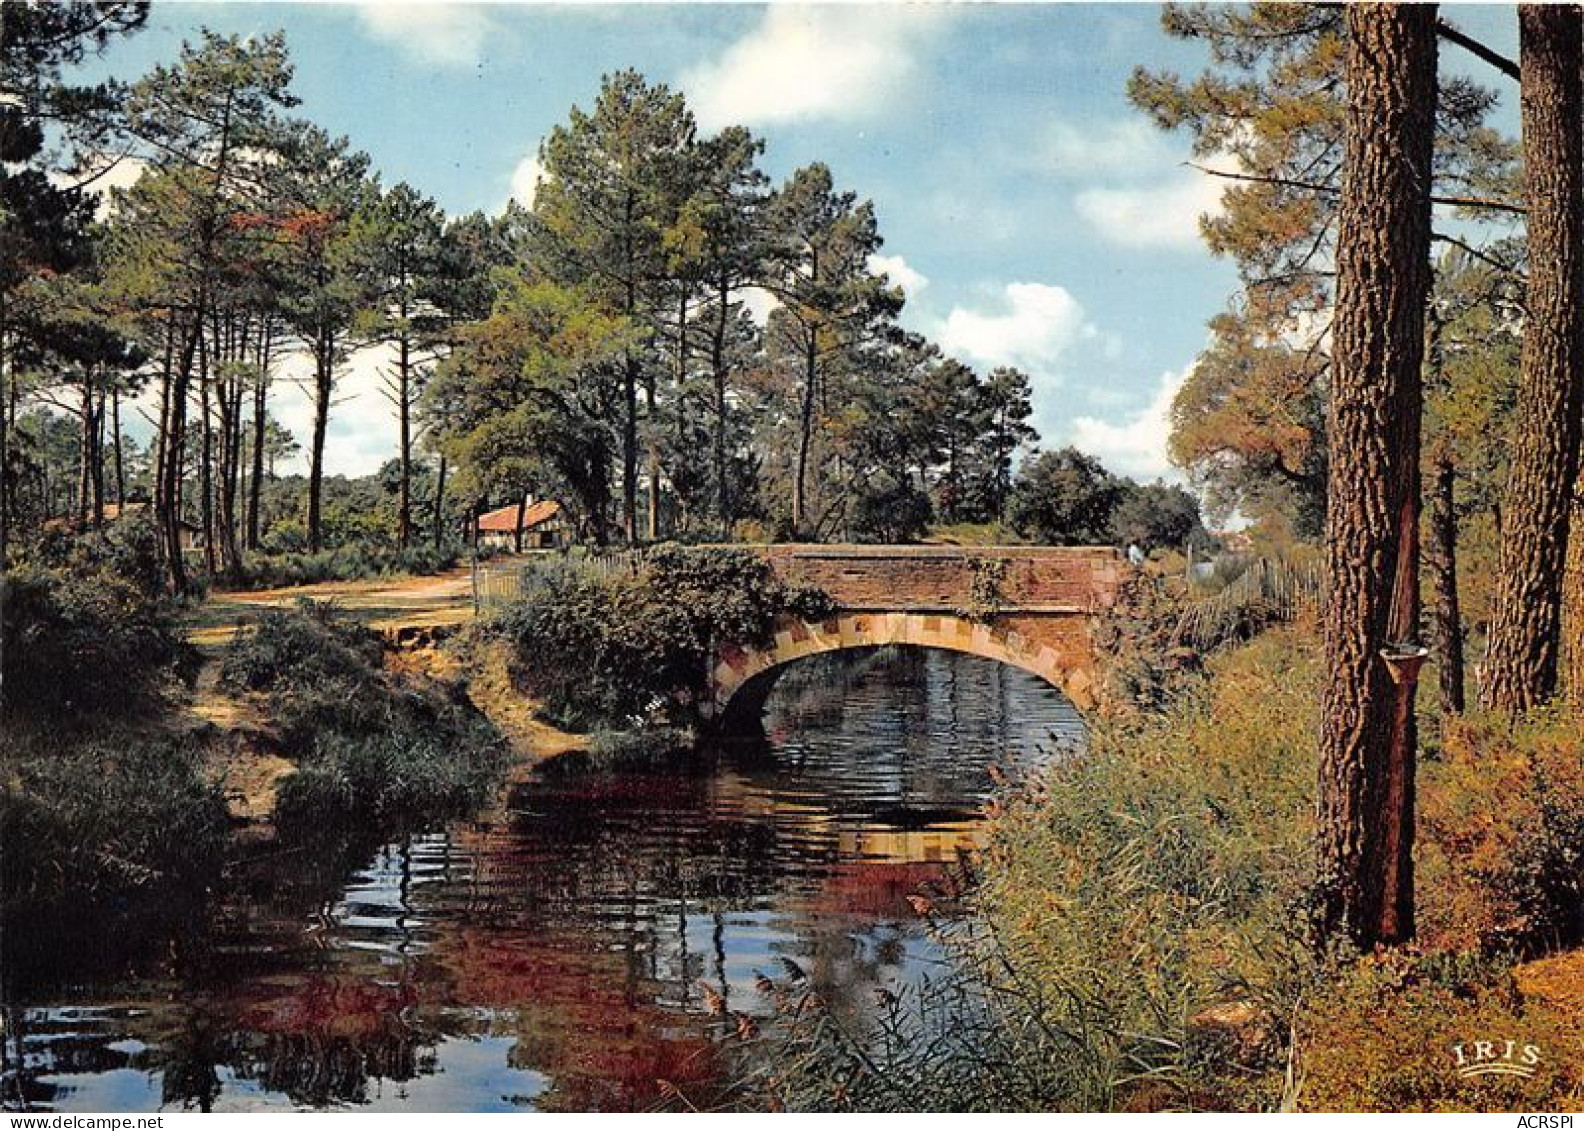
{"x": 1383, "y": 1037}
{"x": 1158, "y": 887}
{"x": 1162, "y": 874}
{"x": 972, "y": 534}
{"x": 1501, "y": 819}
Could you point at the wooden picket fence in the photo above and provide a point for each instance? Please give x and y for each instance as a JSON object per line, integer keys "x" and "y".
{"x": 500, "y": 584}
{"x": 1268, "y": 589}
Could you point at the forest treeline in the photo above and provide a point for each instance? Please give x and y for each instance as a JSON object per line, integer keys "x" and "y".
{"x": 598, "y": 347}
{"x": 1396, "y": 389}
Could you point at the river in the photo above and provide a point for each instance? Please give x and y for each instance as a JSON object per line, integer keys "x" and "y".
{"x": 574, "y": 947}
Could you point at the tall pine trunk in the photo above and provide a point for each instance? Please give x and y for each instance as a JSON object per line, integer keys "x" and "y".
{"x": 1525, "y": 632}
{"x": 630, "y": 377}
{"x": 173, "y": 442}
{"x": 1366, "y": 786}
{"x": 439, "y": 504}
{"x": 5, "y": 440}
{"x": 98, "y": 460}
{"x": 652, "y": 462}
{"x": 206, "y": 454}
{"x": 120, "y": 459}
{"x": 1442, "y": 559}
{"x": 1573, "y": 606}
{"x": 324, "y": 383}
{"x": 260, "y": 418}
{"x": 85, "y": 450}
{"x": 404, "y": 413}
{"x": 805, "y": 432}
{"x": 718, "y": 371}
{"x": 630, "y": 451}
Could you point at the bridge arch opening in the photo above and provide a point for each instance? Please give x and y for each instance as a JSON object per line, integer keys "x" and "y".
{"x": 771, "y": 700}
{"x": 743, "y": 677}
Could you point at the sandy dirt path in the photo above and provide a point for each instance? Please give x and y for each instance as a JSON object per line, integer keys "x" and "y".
{"x": 239, "y": 753}
{"x": 386, "y": 604}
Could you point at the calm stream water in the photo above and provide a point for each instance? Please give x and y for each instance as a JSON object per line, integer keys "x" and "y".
{"x": 554, "y": 954}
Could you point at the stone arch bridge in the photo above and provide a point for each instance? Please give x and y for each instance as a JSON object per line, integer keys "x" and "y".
{"x": 1032, "y": 607}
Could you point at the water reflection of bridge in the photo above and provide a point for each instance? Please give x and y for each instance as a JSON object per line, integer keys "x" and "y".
{"x": 557, "y": 954}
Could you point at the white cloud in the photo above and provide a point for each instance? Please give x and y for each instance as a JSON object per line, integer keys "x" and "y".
{"x": 1122, "y": 146}
{"x": 362, "y": 430}
{"x": 100, "y": 176}
{"x": 760, "y": 303}
{"x": 362, "y": 433}
{"x": 1034, "y": 325}
{"x": 525, "y": 180}
{"x": 1136, "y": 446}
{"x": 818, "y": 61}
{"x": 447, "y": 35}
{"x": 900, "y": 272}
{"x": 1163, "y": 216}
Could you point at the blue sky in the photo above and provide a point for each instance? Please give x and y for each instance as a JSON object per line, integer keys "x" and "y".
{"x": 1034, "y": 217}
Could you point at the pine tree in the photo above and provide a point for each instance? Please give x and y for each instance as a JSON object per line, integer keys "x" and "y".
{"x": 1525, "y": 632}
{"x": 1366, "y": 794}
{"x": 396, "y": 245}
{"x": 607, "y": 197}
{"x": 325, "y": 184}
{"x": 831, "y": 306}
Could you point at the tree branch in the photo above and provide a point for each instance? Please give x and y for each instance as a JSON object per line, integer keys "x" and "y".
{"x": 1474, "y": 47}
{"x": 1489, "y": 260}
{"x": 1488, "y": 203}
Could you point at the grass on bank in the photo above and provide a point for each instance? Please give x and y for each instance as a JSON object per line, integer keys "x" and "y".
{"x": 370, "y": 744}
{"x": 99, "y": 836}
{"x": 88, "y": 636}
{"x": 107, "y": 814}
{"x": 361, "y": 562}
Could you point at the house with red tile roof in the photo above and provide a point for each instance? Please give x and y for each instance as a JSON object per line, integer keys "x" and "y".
{"x": 544, "y": 526}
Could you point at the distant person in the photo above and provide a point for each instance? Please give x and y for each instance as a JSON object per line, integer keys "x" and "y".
{"x": 1135, "y": 555}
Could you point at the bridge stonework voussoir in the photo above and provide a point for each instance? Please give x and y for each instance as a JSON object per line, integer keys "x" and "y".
{"x": 1040, "y": 619}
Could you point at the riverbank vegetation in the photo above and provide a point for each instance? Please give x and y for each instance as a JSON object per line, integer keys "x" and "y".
{"x": 626, "y": 649}
{"x": 88, "y": 633}
{"x": 1140, "y": 931}
{"x": 104, "y": 836}
{"x": 370, "y": 745}
{"x": 114, "y": 811}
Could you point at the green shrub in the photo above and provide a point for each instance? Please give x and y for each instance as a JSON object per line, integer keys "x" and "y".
{"x": 319, "y": 670}
{"x": 128, "y": 548}
{"x": 373, "y": 745}
{"x": 1145, "y": 671}
{"x": 302, "y": 647}
{"x": 636, "y": 750}
{"x": 82, "y": 646}
{"x": 615, "y": 650}
{"x": 890, "y": 510}
{"x": 403, "y": 773}
{"x": 1501, "y": 814}
{"x": 84, "y": 831}
{"x": 1163, "y": 877}
{"x": 361, "y": 562}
